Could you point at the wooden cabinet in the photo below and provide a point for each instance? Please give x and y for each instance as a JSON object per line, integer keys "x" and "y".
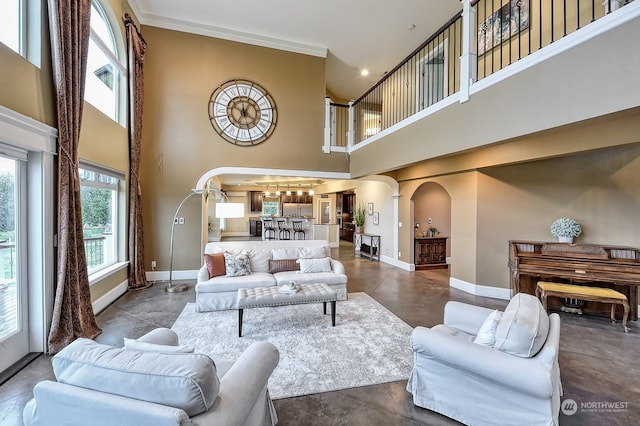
{"x": 255, "y": 227}
{"x": 347, "y": 230}
{"x": 431, "y": 252}
{"x": 256, "y": 201}
{"x": 305, "y": 198}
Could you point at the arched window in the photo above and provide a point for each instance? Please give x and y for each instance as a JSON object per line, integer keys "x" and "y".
{"x": 11, "y": 24}
{"x": 105, "y": 72}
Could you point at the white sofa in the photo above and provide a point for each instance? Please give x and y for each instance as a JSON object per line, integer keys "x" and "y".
{"x": 221, "y": 292}
{"x": 514, "y": 381}
{"x": 153, "y": 381}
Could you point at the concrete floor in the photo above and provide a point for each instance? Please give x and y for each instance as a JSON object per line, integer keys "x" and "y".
{"x": 598, "y": 361}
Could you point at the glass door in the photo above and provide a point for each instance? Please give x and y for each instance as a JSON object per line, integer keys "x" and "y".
{"x": 14, "y": 338}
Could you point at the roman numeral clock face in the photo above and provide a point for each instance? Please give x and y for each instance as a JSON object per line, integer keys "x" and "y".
{"x": 242, "y": 112}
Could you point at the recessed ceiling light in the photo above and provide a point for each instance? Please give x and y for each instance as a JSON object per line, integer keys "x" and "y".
{"x": 411, "y": 27}
{"x": 364, "y": 72}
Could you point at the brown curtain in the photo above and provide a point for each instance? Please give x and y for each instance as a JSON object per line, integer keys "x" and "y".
{"x": 136, "y": 47}
{"x": 73, "y": 317}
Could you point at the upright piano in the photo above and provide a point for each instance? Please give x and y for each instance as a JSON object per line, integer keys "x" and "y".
{"x": 594, "y": 265}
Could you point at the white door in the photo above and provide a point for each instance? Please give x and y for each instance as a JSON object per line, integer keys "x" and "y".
{"x": 433, "y": 76}
{"x": 14, "y": 327}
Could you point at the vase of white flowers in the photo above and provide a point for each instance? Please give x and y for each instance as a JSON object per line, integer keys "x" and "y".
{"x": 566, "y": 229}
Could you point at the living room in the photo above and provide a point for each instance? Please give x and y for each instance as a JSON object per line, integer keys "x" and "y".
{"x": 507, "y": 178}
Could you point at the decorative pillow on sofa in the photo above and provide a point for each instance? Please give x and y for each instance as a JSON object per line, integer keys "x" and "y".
{"x": 312, "y": 253}
{"x": 524, "y": 326}
{"x": 181, "y": 380}
{"x": 236, "y": 265}
{"x": 283, "y": 265}
{"x": 134, "y": 345}
{"x": 285, "y": 253}
{"x": 314, "y": 265}
{"x": 487, "y": 332}
{"x": 215, "y": 264}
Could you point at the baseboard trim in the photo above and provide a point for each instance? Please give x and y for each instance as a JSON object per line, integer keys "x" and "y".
{"x": 176, "y": 275}
{"x": 102, "y": 302}
{"x": 397, "y": 263}
{"x": 480, "y": 290}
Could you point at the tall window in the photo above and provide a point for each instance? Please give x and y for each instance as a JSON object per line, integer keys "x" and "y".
{"x": 105, "y": 72}
{"x": 10, "y": 23}
{"x": 99, "y": 190}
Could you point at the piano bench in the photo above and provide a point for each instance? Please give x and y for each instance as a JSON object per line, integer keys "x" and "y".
{"x": 593, "y": 294}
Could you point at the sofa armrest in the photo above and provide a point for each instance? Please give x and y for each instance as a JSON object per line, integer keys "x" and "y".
{"x": 337, "y": 267}
{"x": 465, "y": 317}
{"x": 526, "y": 375}
{"x": 244, "y": 383}
{"x": 203, "y": 274}
{"x": 61, "y": 404}
{"x": 241, "y": 386}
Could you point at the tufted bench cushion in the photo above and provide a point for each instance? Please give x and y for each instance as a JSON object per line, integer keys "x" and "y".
{"x": 261, "y": 297}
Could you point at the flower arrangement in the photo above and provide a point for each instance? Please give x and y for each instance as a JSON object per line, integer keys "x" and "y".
{"x": 565, "y": 227}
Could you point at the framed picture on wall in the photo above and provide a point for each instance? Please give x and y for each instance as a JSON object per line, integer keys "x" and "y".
{"x": 370, "y": 208}
{"x": 376, "y": 218}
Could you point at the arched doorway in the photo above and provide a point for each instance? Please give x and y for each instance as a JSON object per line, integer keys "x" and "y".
{"x": 431, "y": 219}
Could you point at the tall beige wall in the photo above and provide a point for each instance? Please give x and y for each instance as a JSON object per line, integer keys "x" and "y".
{"x": 601, "y": 190}
{"x": 180, "y": 145}
{"x": 489, "y": 207}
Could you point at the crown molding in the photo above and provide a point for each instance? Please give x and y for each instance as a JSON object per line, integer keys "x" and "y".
{"x": 228, "y": 34}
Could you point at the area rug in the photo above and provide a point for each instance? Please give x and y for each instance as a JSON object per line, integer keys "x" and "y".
{"x": 368, "y": 345}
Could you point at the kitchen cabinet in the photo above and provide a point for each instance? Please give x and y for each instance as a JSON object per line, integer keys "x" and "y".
{"x": 255, "y": 227}
{"x": 256, "y": 201}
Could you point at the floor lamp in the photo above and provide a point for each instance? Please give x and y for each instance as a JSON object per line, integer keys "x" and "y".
{"x": 223, "y": 210}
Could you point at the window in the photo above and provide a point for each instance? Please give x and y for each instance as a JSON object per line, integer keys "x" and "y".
{"x": 10, "y": 23}
{"x": 9, "y": 305}
{"x": 105, "y": 72}
{"x": 99, "y": 195}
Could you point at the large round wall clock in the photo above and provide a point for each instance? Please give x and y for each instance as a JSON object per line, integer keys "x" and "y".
{"x": 242, "y": 112}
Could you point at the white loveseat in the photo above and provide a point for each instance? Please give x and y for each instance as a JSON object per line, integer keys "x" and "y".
{"x": 221, "y": 292}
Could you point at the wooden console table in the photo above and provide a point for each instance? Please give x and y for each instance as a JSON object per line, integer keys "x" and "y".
{"x": 592, "y": 265}
{"x": 431, "y": 253}
{"x": 373, "y": 251}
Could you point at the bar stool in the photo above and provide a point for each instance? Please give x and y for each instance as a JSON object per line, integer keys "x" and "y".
{"x": 298, "y": 229}
{"x": 284, "y": 232}
{"x": 268, "y": 228}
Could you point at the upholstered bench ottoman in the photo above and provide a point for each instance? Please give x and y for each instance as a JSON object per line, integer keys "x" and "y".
{"x": 594, "y": 294}
{"x": 261, "y": 297}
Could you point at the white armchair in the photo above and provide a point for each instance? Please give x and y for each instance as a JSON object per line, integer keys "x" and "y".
{"x": 154, "y": 382}
{"x": 514, "y": 382}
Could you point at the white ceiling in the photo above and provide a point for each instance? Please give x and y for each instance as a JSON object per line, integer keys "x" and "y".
{"x": 351, "y": 34}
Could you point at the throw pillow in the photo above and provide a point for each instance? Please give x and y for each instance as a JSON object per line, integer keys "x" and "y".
{"x": 524, "y": 326}
{"x": 259, "y": 259}
{"x": 285, "y": 253}
{"x": 185, "y": 381}
{"x": 487, "y": 332}
{"x": 283, "y": 265}
{"x": 314, "y": 265}
{"x": 236, "y": 265}
{"x": 134, "y": 345}
{"x": 215, "y": 264}
{"x": 312, "y": 253}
